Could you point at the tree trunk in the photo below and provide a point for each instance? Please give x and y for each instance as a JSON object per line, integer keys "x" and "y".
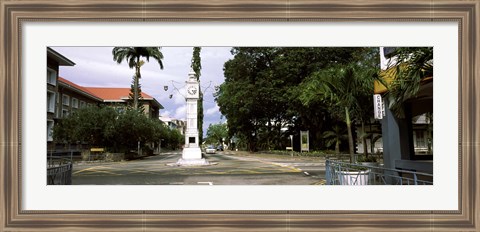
{"x": 135, "y": 85}
{"x": 337, "y": 146}
{"x": 350, "y": 136}
{"x": 364, "y": 140}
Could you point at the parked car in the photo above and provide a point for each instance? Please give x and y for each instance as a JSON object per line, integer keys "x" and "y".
{"x": 210, "y": 149}
{"x": 220, "y": 148}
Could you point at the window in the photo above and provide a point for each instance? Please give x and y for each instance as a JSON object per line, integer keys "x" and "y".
{"x": 65, "y": 100}
{"x": 51, "y": 77}
{"x": 74, "y": 102}
{"x": 389, "y": 51}
{"x": 49, "y": 130}
{"x": 420, "y": 139}
{"x": 50, "y": 102}
{"x": 65, "y": 112}
{"x": 58, "y": 108}
{"x": 82, "y": 104}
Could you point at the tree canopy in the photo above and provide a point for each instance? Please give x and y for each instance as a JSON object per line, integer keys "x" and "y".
{"x": 105, "y": 127}
{"x": 133, "y": 56}
{"x": 270, "y": 88}
{"x": 216, "y": 133}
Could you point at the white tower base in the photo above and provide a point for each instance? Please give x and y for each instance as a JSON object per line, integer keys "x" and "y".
{"x": 192, "y": 157}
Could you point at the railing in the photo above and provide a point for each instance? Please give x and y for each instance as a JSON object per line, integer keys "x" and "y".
{"x": 340, "y": 173}
{"x": 59, "y": 171}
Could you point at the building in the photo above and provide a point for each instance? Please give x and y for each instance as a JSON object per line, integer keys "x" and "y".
{"x": 422, "y": 142}
{"x": 54, "y": 61}
{"x": 65, "y": 97}
{"x": 407, "y": 140}
{"x": 173, "y": 123}
{"x": 119, "y": 98}
{"x": 74, "y": 96}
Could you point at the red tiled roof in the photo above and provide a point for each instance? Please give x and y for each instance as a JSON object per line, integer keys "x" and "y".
{"x": 110, "y": 94}
{"x": 106, "y": 94}
{"x": 81, "y": 88}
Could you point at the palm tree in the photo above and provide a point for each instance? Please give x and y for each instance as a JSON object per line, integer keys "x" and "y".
{"x": 334, "y": 136}
{"x": 341, "y": 87}
{"x": 133, "y": 55}
{"x": 411, "y": 66}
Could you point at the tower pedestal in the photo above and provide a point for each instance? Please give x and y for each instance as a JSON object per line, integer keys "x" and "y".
{"x": 192, "y": 157}
{"x": 190, "y": 153}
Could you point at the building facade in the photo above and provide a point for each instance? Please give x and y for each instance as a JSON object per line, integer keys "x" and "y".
{"x": 174, "y": 124}
{"x": 54, "y": 61}
{"x": 65, "y": 97}
{"x": 407, "y": 141}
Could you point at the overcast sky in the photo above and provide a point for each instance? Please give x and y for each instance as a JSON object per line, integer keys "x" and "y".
{"x": 94, "y": 67}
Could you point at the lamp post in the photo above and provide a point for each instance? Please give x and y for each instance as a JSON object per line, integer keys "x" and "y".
{"x": 291, "y": 144}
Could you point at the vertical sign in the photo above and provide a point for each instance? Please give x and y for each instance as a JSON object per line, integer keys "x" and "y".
{"x": 378, "y": 106}
{"x": 304, "y": 140}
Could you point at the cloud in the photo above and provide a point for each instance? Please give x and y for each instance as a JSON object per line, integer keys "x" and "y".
{"x": 166, "y": 113}
{"x": 95, "y": 67}
{"x": 180, "y": 112}
{"x": 212, "y": 111}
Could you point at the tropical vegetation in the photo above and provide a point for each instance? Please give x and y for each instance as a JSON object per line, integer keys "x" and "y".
{"x": 118, "y": 132}
{"x": 134, "y": 55}
{"x": 268, "y": 89}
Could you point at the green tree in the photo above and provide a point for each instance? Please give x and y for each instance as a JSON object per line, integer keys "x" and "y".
{"x": 92, "y": 125}
{"x": 104, "y": 127}
{"x": 216, "y": 133}
{"x": 261, "y": 92}
{"x": 131, "y": 96}
{"x": 411, "y": 65}
{"x": 132, "y": 127}
{"x": 197, "y": 67}
{"x": 335, "y": 136}
{"x": 133, "y": 56}
{"x": 341, "y": 86}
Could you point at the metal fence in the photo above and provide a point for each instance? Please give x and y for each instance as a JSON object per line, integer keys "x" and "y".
{"x": 59, "y": 171}
{"x": 340, "y": 173}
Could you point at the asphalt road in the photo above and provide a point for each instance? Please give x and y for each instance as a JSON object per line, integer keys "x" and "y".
{"x": 226, "y": 168}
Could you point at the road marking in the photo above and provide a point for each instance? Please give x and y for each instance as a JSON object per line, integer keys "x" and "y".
{"x": 86, "y": 169}
{"x": 209, "y": 183}
{"x": 216, "y": 172}
{"x": 142, "y": 171}
{"x": 100, "y": 171}
{"x": 94, "y": 170}
{"x": 176, "y": 183}
{"x": 293, "y": 169}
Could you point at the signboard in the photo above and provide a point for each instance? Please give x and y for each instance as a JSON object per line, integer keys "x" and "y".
{"x": 378, "y": 106}
{"x": 304, "y": 141}
{"x": 97, "y": 149}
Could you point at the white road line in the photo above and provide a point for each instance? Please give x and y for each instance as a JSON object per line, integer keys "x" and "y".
{"x": 209, "y": 183}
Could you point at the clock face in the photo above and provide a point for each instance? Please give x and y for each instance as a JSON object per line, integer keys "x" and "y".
{"x": 192, "y": 90}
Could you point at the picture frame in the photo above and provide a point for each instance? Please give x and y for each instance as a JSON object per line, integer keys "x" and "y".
{"x": 13, "y": 13}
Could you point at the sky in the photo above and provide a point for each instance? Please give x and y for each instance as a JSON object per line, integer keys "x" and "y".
{"x": 95, "y": 67}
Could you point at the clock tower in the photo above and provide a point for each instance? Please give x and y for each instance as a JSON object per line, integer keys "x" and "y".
{"x": 192, "y": 154}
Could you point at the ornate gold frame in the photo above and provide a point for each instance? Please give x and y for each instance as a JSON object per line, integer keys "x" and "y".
{"x": 14, "y": 12}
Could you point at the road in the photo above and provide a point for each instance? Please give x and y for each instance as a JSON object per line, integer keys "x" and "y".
{"x": 227, "y": 168}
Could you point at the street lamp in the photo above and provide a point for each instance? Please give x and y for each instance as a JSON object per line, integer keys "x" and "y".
{"x": 291, "y": 143}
